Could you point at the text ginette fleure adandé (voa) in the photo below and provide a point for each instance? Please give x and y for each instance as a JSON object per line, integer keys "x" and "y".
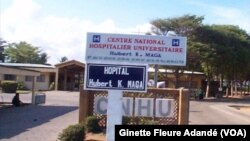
{"x": 161, "y": 132}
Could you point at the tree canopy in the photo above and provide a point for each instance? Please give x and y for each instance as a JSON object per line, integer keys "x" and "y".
{"x": 3, "y": 44}
{"x": 183, "y": 26}
{"x": 63, "y": 59}
{"x": 218, "y": 50}
{"x": 25, "y": 53}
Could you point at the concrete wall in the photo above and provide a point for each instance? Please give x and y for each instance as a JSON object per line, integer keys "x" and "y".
{"x": 39, "y": 85}
{"x": 1, "y": 77}
{"x": 21, "y": 73}
{"x": 28, "y": 84}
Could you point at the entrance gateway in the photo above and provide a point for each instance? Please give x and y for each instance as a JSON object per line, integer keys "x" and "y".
{"x": 114, "y": 50}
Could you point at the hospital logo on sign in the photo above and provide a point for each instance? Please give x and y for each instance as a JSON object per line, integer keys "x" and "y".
{"x": 175, "y": 42}
{"x": 96, "y": 38}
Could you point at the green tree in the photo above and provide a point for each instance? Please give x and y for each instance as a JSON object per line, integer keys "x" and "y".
{"x": 43, "y": 58}
{"x": 63, "y": 59}
{"x": 225, "y": 51}
{"x": 3, "y": 44}
{"x": 184, "y": 26}
{"x": 25, "y": 53}
{"x": 221, "y": 51}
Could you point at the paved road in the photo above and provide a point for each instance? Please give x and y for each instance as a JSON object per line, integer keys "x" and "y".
{"x": 219, "y": 112}
{"x": 45, "y": 122}
{"x": 39, "y": 123}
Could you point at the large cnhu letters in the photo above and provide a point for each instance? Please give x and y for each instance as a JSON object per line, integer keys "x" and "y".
{"x": 141, "y": 107}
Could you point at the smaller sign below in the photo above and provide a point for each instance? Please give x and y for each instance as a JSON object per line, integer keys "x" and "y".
{"x": 116, "y": 77}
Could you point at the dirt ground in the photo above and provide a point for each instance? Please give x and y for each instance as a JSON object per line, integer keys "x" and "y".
{"x": 245, "y": 109}
{"x": 95, "y": 137}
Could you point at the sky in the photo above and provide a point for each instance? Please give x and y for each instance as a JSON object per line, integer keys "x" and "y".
{"x": 59, "y": 27}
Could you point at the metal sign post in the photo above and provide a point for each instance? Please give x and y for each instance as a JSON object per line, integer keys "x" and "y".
{"x": 116, "y": 79}
{"x": 114, "y": 113}
{"x": 156, "y": 75}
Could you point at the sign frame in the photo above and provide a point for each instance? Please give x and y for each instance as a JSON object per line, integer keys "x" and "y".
{"x": 144, "y": 68}
{"x": 139, "y": 49}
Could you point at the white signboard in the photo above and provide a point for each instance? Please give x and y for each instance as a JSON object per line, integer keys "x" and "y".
{"x": 142, "y": 49}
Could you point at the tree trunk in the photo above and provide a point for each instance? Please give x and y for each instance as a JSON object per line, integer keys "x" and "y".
{"x": 236, "y": 90}
{"x": 232, "y": 88}
{"x": 176, "y": 78}
{"x": 221, "y": 84}
{"x": 227, "y": 89}
{"x": 241, "y": 88}
{"x": 190, "y": 80}
{"x": 165, "y": 78}
{"x": 245, "y": 87}
{"x": 175, "y": 83}
{"x": 248, "y": 87}
{"x": 227, "y": 92}
{"x": 208, "y": 88}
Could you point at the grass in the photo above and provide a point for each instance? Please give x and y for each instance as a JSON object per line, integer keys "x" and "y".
{"x": 27, "y": 91}
{"x": 23, "y": 91}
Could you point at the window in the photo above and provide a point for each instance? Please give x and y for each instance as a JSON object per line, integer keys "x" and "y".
{"x": 40, "y": 78}
{"x": 9, "y": 77}
{"x": 28, "y": 78}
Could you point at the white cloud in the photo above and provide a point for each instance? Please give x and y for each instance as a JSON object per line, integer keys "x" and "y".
{"x": 232, "y": 16}
{"x": 224, "y": 15}
{"x": 21, "y": 11}
{"x": 57, "y": 36}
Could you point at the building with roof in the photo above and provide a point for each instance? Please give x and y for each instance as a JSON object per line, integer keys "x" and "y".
{"x": 69, "y": 75}
{"x": 186, "y": 79}
{"x": 66, "y": 76}
{"x": 23, "y": 72}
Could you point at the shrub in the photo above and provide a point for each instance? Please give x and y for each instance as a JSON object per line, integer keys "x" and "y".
{"x": 9, "y": 86}
{"x": 21, "y": 86}
{"x": 73, "y": 133}
{"x": 147, "y": 122}
{"x": 144, "y": 121}
{"x": 125, "y": 120}
{"x": 92, "y": 124}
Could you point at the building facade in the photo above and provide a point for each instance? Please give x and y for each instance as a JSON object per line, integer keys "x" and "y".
{"x": 21, "y": 72}
{"x": 69, "y": 75}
